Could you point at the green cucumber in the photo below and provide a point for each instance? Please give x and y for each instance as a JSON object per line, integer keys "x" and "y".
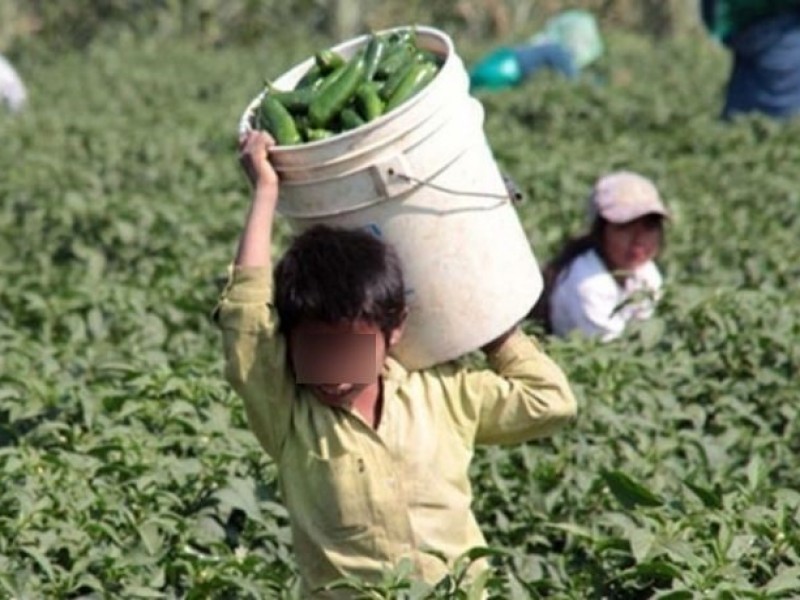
{"x": 372, "y": 56}
{"x": 404, "y": 36}
{"x": 310, "y": 77}
{"x": 416, "y": 79}
{"x": 368, "y": 102}
{"x": 350, "y": 119}
{"x": 333, "y": 97}
{"x": 390, "y": 86}
{"x": 296, "y": 101}
{"x": 315, "y": 135}
{"x": 328, "y": 61}
{"x": 275, "y": 118}
{"x": 394, "y": 59}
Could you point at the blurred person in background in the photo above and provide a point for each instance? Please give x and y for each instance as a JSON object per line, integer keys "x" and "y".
{"x": 569, "y": 42}
{"x": 12, "y": 90}
{"x": 607, "y": 277}
{"x": 763, "y": 37}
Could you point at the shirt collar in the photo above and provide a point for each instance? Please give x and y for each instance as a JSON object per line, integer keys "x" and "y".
{"x": 393, "y": 370}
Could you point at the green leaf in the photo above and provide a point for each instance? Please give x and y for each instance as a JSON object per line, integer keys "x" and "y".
{"x": 241, "y": 493}
{"x": 151, "y": 537}
{"x": 628, "y": 492}
{"x": 641, "y": 541}
{"x": 10, "y": 589}
{"x": 137, "y": 591}
{"x": 95, "y": 323}
{"x": 571, "y": 528}
{"x": 658, "y": 568}
{"x": 479, "y": 552}
{"x": 517, "y": 591}
{"x": 755, "y": 472}
{"x": 710, "y": 498}
{"x": 739, "y": 546}
{"x": 680, "y": 551}
{"x": 787, "y": 580}
{"x": 419, "y": 590}
{"x": 477, "y": 585}
{"x": 651, "y": 332}
{"x": 674, "y": 595}
{"x": 404, "y": 568}
{"x": 41, "y": 560}
{"x": 87, "y": 580}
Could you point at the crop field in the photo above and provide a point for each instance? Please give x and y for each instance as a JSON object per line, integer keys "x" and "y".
{"x": 127, "y": 467}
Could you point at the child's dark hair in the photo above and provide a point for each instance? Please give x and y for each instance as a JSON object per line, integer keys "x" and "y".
{"x": 332, "y": 275}
{"x": 571, "y": 250}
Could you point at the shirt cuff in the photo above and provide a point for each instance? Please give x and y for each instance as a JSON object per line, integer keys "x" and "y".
{"x": 248, "y": 284}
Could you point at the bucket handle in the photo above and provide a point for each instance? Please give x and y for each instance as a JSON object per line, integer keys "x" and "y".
{"x": 512, "y": 194}
{"x": 392, "y": 177}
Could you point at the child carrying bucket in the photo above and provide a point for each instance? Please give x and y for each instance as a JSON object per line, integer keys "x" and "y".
{"x": 372, "y": 459}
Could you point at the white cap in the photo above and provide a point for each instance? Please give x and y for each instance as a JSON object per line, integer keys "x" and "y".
{"x": 624, "y": 196}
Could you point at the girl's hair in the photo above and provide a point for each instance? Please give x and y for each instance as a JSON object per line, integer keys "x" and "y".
{"x": 571, "y": 250}
{"x": 333, "y": 275}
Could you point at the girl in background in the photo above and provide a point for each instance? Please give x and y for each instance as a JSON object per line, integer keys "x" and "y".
{"x": 607, "y": 277}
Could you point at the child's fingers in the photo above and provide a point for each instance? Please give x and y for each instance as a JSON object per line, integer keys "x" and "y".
{"x": 246, "y": 141}
{"x": 254, "y": 141}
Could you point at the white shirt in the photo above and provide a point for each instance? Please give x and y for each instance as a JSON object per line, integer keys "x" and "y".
{"x": 588, "y": 298}
{"x": 12, "y": 90}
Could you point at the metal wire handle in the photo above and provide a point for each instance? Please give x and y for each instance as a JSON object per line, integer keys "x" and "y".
{"x": 512, "y": 194}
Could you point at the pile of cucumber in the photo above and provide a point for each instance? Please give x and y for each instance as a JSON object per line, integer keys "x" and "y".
{"x": 336, "y": 95}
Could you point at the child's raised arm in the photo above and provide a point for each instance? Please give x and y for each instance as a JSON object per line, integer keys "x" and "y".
{"x": 255, "y": 243}
{"x": 255, "y": 355}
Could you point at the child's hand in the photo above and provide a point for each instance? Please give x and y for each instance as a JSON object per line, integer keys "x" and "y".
{"x": 254, "y": 157}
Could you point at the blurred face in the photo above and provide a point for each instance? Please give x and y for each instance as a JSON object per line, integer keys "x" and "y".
{"x": 339, "y": 362}
{"x": 627, "y": 246}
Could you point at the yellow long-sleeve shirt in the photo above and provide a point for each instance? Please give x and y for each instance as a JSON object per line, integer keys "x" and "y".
{"x": 359, "y": 498}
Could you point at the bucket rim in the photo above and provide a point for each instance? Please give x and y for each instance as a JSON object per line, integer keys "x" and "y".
{"x": 343, "y": 138}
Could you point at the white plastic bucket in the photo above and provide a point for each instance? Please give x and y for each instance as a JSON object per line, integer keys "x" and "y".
{"x": 423, "y": 178}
